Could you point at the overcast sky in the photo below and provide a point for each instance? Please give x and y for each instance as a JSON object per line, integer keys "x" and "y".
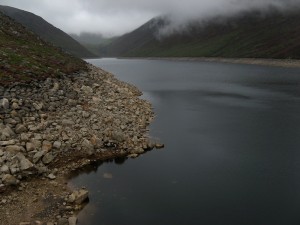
{"x": 115, "y": 17}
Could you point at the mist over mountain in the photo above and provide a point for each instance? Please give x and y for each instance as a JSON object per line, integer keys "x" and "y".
{"x": 47, "y": 31}
{"x": 270, "y": 33}
{"x": 92, "y": 41}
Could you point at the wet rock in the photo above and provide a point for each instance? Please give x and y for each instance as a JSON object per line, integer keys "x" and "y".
{"x": 78, "y": 197}
{"x": 159, "y": 146}
{"x": 133, "y": 156}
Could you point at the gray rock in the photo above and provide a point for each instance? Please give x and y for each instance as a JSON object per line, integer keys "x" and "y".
{"x": 24, "y": 137}
{"x": 4, "y": 169}
{"x": 4, "y": 103}
{"x": 47, "y": 146}
{"x": 38, "y": 106}
{"x": 137, "y": 151}
{"x": 13, "y": 148}
{"x": 132, "y": 155}
{"x": 66, "y": 122}
{"x": 48, "y": 158}
{"x": 51, "y": 176}
{"x": 29, "y": 147}
{"x": 8, "y": 132}
{"x": 118, "y": 136}
{"x": 57, "y": 144}
{"x": 72, "y": 220}
{"x": 72, "y": 102}
{"x": 5, "y": 143}
{"x": 20, "y": 128}
{"x": 38, "y": 156}
{"x": 15, "y": 106}
{"x": 9, "y": 180}
{"x": 87, "y": 89}
{"x": 85, "y": 114}
{"x": 78, "y": 197}
{"x": 25, "y": 164}
{"x": 62, "y": 221}
{"x": 88, "y": 147}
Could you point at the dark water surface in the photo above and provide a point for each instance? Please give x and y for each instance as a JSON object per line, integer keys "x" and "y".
{"x": 232, "y": 156}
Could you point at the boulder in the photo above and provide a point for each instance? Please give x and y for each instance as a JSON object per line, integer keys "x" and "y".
{"x": 78, "y": 197}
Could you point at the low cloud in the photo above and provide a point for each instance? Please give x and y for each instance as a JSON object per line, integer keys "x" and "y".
{"x": 115, "y": 17}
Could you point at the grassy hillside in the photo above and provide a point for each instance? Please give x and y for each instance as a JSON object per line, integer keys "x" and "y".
{"x": 25, "y": 57}
{"x": 47, "y": 31}
{"x": 272, "y": 34}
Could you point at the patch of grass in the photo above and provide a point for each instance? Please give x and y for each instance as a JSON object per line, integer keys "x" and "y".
{"x": 25, "y": 57}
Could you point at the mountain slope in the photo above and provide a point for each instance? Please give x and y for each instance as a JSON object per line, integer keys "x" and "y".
{"x": 25, "y": 57}
{"x": 92, "y": 41}
{"x": 47, "y": 31}
{"x": 272, "y": 34}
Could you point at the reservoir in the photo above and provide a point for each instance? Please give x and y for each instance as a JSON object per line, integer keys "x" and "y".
{"x": 232, "y": 155}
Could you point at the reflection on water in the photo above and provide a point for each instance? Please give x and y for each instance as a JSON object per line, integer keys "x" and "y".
{"x": 232, "y": 151}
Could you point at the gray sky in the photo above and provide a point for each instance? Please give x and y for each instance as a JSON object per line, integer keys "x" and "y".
{"x": 115, "y": 17}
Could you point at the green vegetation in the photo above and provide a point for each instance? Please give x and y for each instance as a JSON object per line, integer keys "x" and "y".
{"x": 272, "y": 34}
{"x": 47, "y": 31}
{"x": 25, "y": 57}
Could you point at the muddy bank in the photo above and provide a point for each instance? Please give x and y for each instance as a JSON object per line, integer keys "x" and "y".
{"x": 50, "y": 128}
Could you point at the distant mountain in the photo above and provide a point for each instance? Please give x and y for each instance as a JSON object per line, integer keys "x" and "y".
{"x": 256, "y": 34}
{"x": 24, "y": 56}
{"x": 47, "y": 31}
{"x": 92, "y": 41}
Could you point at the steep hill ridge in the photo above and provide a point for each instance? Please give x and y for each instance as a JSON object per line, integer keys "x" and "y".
{"x": 25, "y": 57}
{"x": 252, "y": 34}
{"x": 47, "y": 31}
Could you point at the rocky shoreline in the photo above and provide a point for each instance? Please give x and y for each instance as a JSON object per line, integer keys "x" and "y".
{"x": 50, "y": 128}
